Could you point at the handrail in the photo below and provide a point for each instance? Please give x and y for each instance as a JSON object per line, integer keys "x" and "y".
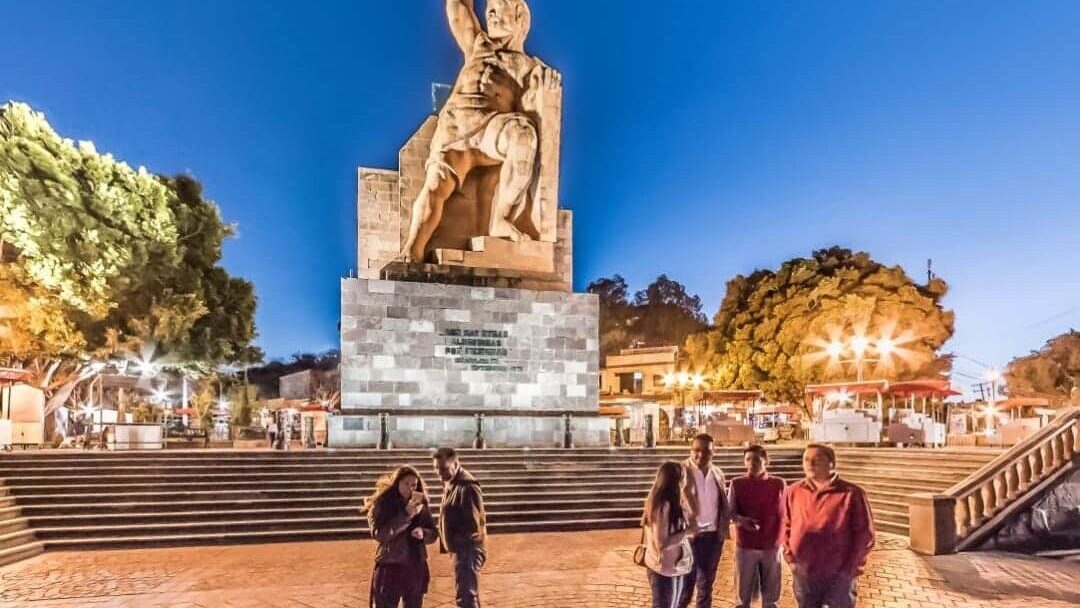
{"x": 1009, "y": 455}
{"x": 991, "y": 489}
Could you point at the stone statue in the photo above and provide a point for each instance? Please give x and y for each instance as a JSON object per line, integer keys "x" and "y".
{"x": 492, "y": 119}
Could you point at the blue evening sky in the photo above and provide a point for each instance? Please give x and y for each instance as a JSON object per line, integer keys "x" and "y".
{"x": 701, "y": 139}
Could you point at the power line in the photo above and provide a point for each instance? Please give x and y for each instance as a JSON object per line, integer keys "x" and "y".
{"x": 975, "y": 361}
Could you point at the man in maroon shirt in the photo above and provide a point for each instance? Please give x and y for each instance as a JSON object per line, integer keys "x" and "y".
{"x": 828, "y": 532}
{"x": 757, "y": 505}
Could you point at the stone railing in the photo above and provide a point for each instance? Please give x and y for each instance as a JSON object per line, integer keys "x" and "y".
{"x": 959, "y": 518}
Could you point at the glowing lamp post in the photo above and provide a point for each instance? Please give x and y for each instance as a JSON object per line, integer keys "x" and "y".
{"x": 991, "y": 412}
{"x": 682, "y": 383}
{"x": 860, "y": 347}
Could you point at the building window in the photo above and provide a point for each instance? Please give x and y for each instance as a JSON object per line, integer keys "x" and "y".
{"x": 630, "y": 383}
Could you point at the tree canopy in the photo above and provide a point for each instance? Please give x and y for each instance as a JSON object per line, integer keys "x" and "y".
{"x": 773, "y": 328}
{"x": 1052, "y": 372}
{"x": 662, "y": 314}
{"x": 100, "y": 260}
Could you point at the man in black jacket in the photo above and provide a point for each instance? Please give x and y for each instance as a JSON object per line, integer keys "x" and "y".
{"x": 462, "y": 525}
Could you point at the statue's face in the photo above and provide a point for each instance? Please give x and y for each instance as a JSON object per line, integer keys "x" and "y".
{"x": 503, "y": 18}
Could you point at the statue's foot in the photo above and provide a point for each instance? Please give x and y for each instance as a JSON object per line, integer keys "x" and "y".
{"x": 518, "y": 236}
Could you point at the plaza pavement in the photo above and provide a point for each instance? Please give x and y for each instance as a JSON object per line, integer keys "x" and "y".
{"x": 564, "y": 570}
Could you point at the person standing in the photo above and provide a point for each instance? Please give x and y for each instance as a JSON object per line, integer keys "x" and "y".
{"x": 462, "y": 526}
{"x": 285, "y": 428}
{"x": 666, "y": 530}
{"x": 400, "y": 521}
{"x": 271, "y": 429}
{"x": 710, "y": 512}
{"x": 828, "y": 532}
{"x": 757, "y": 508}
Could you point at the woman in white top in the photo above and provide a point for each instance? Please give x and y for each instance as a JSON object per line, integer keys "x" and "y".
{"x": 668, "y": 556}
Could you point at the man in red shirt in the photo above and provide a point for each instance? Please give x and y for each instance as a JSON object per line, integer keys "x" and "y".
{"x": 757, "y": 506}
{"x": 828, "y": 532}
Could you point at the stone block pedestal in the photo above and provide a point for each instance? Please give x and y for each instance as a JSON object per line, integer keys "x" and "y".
{"x": 417, "y": 430}
{"x": 431, "y": 356}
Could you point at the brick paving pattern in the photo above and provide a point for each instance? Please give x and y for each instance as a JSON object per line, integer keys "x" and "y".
{"x": 589, "y": 569}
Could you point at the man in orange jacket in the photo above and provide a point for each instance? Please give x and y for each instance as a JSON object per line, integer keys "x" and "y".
{"x": 828, "y": 532}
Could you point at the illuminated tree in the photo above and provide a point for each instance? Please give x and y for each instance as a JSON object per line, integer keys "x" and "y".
{"x": 1052, "y": 372}
{"x": 99, "y": 260}
{"x": 774, "y": 329}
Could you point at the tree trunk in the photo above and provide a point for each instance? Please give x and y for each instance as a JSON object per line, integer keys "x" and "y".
{"x": 58, "y": 399}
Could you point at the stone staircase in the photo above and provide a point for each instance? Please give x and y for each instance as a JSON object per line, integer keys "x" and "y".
{"x": 16, "y": 539}
{"x": 79, "y": 500}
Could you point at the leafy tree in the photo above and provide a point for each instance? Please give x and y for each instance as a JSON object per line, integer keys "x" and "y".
{"x": 99, "y": 261}
{"x": 79, "y": 223}
{"x": 1052, "y": 372}
{"x": 773, "y": 327}
{"x": 666, "y": 313}
{"x": 662, "y": 314}
{"x": 616, "y": 313}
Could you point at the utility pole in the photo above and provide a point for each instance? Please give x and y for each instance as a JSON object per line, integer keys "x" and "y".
{"x": 981, "y": 386}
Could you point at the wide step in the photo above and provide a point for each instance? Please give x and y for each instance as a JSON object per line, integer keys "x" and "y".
{"x": 102, "y": 499}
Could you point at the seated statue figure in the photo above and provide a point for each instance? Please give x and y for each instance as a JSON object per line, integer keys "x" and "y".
{"x": 489, "y": 120}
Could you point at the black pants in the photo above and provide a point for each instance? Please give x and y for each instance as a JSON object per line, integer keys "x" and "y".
{"x": 467, "y": 564}
{"x": 707, "y": 549}
{"x": 392, "y": 599}
{"x": 395, "y": 584}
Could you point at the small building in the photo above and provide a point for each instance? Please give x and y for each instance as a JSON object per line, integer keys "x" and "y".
{"x": 638, "y": 371}
{"x": 653, "y": 383}
{"x": 308, "y": 384}
{"x": 22, "y": 410}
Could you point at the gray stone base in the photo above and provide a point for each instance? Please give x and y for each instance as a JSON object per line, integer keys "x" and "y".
{"x": 460, "y": 431}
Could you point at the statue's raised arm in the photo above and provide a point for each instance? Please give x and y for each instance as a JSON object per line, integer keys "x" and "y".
{"x": 464, "y": 24}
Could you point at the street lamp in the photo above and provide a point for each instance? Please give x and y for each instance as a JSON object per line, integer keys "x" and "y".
{"x": 860, "y": 346}
{"x": 682, "y": 383}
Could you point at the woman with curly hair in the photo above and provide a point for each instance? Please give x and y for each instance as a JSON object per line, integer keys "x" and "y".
{"x": 400, "y": 520}
{"x": 667, "y": 533}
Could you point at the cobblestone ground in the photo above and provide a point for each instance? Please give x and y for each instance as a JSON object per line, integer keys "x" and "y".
{"x": 525, "y": 570}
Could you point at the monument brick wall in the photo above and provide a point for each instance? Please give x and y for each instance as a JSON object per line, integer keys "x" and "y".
{"x": 378, "y": 217}
{"x": 434, "y": 355}
{"x": 438, "y": 346}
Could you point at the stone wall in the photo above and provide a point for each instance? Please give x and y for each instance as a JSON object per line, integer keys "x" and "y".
{"x": 418, "y": 431}
{"x": 308, "y": 383}
{"x": 439, "y": 353}
{"x": 451, "y": 346}
{"x": 378, "y": 218}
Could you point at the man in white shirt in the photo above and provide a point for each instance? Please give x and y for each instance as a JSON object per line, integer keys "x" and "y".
{"x": 707, "y": 501}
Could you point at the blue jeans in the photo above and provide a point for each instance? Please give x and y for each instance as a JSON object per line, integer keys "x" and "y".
{"x": 666, "y": 590}
{"x": 835, "y": 591}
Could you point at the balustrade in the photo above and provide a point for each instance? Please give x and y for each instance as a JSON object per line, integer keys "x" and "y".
{"x": 978, "y": 499}
{"x": 1012, "y": 480}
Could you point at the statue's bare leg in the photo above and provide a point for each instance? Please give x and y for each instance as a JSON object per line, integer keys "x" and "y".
{"x": 427, "y": 210}
{"x": 518, "y": 145}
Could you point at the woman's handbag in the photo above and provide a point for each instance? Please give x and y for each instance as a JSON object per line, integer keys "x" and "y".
{"x": 639, "y": 552}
